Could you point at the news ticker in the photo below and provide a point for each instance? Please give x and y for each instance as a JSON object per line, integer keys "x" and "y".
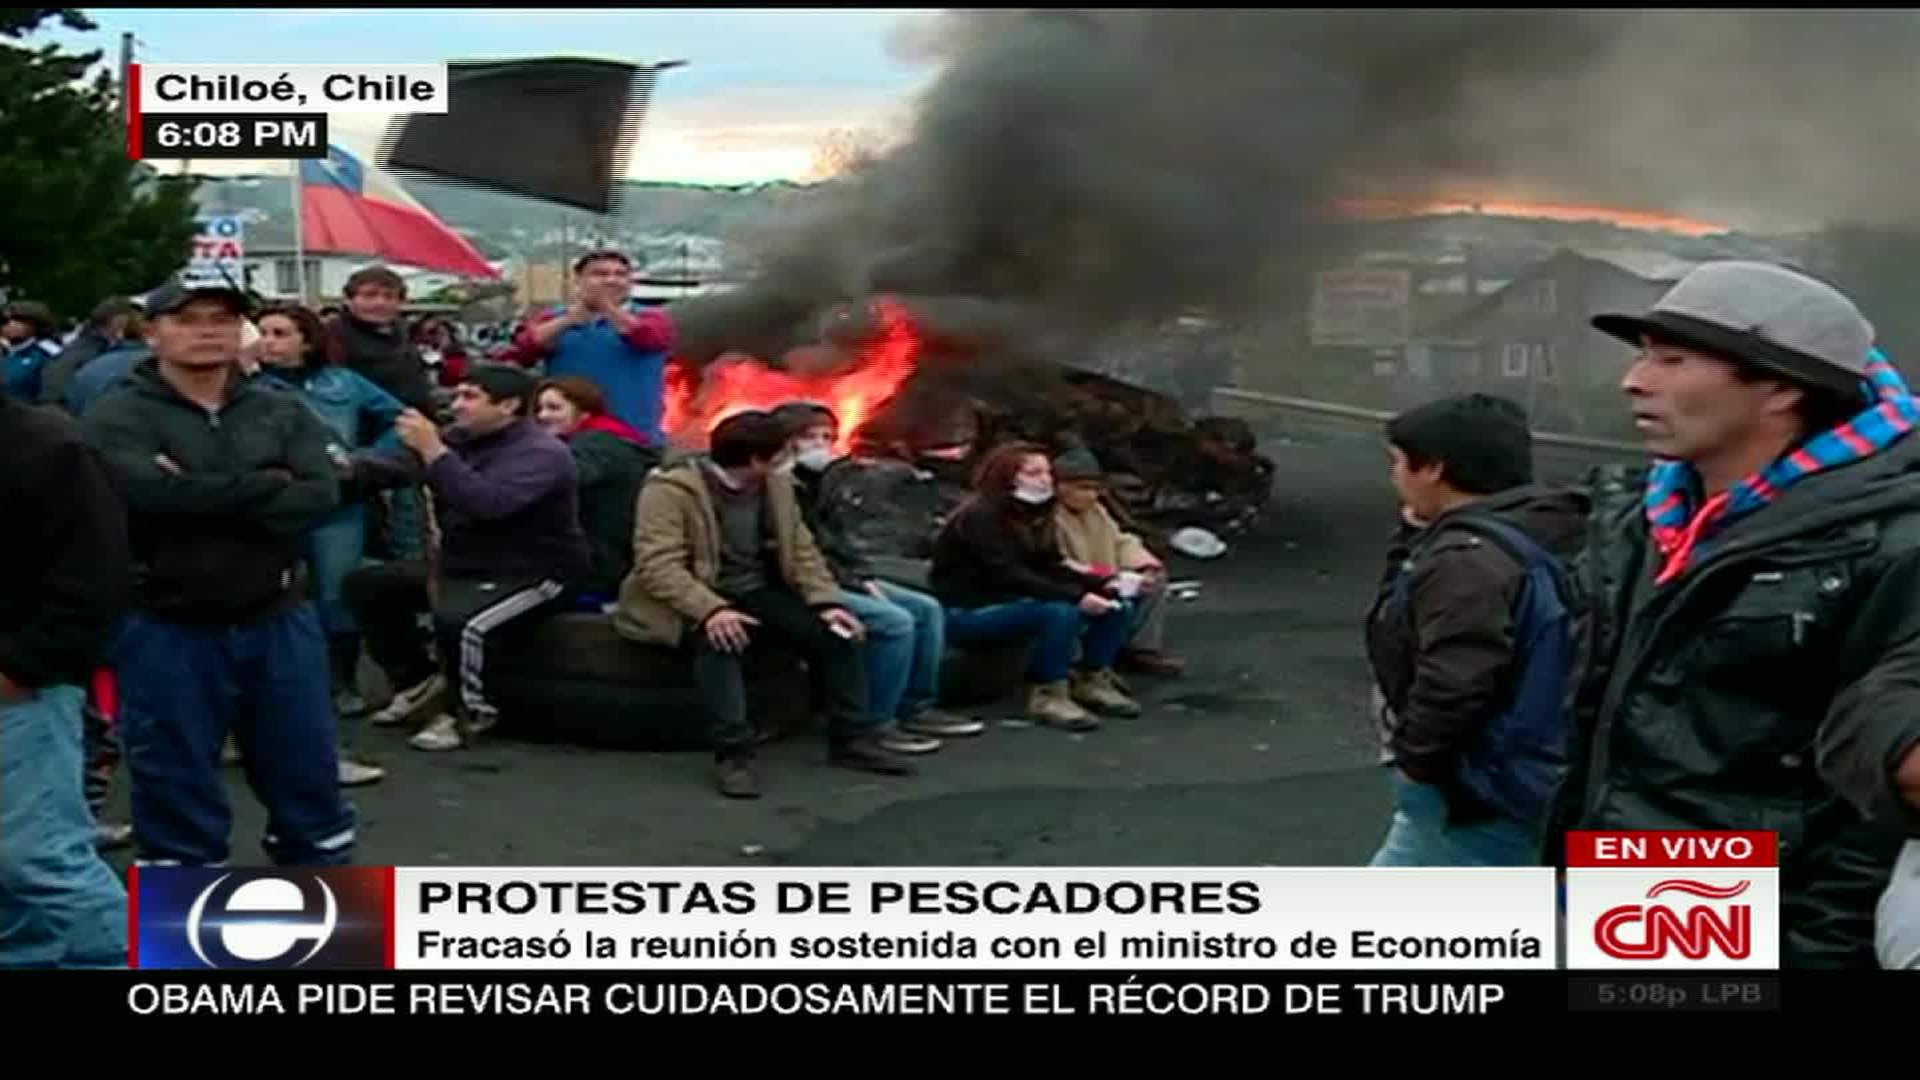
{"x": 1655, "y": 902}
{"x": 988, "y": 995}
{"x": 177, "y": 111}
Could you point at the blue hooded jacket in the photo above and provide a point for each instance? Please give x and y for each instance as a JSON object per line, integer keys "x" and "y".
{"x": 103, "y": 373}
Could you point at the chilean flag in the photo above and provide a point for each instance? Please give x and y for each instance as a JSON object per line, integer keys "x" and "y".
{"x": 347, "y": 208}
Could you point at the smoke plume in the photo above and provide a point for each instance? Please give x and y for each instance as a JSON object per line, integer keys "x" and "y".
{"x": 1098, "y": 165}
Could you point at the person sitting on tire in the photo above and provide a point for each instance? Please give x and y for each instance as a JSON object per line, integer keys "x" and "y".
{"x": 906, "y": 628}
{"x": 723, "y": 560}
{"x": 512, "y": 550}
{"x": 998, "y": 569}
{"x": 613, "y": 460}
{"x": 1091, "y": 538}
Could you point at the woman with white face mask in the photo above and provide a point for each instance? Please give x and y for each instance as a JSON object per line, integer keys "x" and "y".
{"x": 998, "y": 569}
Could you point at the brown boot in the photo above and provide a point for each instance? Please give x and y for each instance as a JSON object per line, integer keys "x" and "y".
{"x": 1051, "y": 704}
{"x": 1151, "y": 662}
{"x": 1098, "y": 691}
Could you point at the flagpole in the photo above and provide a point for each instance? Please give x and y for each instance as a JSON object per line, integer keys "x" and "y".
{"x": 299, "y": 234}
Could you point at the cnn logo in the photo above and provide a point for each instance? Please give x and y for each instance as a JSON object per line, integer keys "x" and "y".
{"x": 1650, "y": 931}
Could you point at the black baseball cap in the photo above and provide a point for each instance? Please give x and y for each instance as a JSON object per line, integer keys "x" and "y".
{"x": 173, "y": 296}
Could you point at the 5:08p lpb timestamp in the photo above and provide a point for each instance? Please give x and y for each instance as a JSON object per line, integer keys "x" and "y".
{"x": 164, "y": 136}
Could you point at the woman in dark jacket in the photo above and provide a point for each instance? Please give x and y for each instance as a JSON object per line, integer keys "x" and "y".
{"x": 613, "y": 460}
{"x": 998, "y": 568}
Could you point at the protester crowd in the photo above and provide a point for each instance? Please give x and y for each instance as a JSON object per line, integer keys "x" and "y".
{"x": 224, "y": 512}
{"x": 254, "y": 502}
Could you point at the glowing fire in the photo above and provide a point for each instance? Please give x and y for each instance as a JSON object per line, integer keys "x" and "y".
{"x": 1630, "y": 219}
{"x": 696, "y": 403}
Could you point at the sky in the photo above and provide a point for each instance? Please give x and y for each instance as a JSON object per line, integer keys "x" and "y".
{"x": 762, "y": 89}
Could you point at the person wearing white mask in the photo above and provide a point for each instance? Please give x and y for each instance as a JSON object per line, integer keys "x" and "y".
{"x": 906, "y": 629}
{"x": 998, "y": 569}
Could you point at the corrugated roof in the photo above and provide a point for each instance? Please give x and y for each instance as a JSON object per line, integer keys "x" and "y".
{"x": 1645, "y": 263}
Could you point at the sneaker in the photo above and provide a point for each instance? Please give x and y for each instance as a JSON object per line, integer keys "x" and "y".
{"x": 409, "y": 701}
{"x": 1097, "y": 691}
{"x": 359, "y": 773}
{"x": 734, "y": 777}
{"x": 1051, "y": 704}
{"x": 442, "y": 734}
{"x": 942, "y": 724}
{"x": 906, "y": 742}
{"x": 866, "y": 754}
{"x": 481, "y": 721}
{"x": 109, "y": 835}
{"x": 350, "y": 703}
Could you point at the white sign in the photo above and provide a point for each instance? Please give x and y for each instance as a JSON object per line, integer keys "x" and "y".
{"x": 219, "y": 252}
{"x": 974, "y": 919}
{"x": 1362, "y": 308}
{"x": 293, "y": 88}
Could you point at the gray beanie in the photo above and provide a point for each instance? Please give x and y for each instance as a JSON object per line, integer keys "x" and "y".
{"x": 1077, "y": 464}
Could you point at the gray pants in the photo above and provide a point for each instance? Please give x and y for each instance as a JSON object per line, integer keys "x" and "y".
{"x": 1898, "y": 935}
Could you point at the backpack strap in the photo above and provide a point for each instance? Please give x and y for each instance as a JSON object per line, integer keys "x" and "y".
{"x": 1524, "y": 549}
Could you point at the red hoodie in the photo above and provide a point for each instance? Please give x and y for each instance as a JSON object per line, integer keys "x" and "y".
{"x": 612, "y": 425}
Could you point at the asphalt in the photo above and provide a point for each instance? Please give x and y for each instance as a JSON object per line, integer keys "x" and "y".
{"x": 1259, "y": 755}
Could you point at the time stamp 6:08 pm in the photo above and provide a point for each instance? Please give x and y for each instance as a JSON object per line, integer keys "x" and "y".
{"x": 230, "y": 135}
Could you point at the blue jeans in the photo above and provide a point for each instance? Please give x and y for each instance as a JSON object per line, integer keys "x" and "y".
{"x": 60, "y": 904}
{"x": 1058, "y": 628}
{"x": 906, "y": 643}
{"x": 1420, "y": 836}
{"x": 183, "y": 689}
{"x": 407, "y": 523}
{"x": 336, "y": 547}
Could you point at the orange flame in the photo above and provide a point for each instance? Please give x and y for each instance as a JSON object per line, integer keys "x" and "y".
{"x": 737, "y": 383}
{"x": 1630, "y": 219}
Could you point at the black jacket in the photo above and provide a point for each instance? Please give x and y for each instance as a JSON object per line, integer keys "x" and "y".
{"x": 995, "y": 550}
{"x": 223, "y": 541}
{"x": 384, "y": 355}
{"x": 611, "y": 471}
{"x": 1773, "y": 686}
{"x": 850, "y": 566}
{"x": 1445, "y": 663}
{"x": 63, "y": 552}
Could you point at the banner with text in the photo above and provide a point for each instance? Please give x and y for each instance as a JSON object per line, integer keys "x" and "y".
{"x": 887, "y": 918}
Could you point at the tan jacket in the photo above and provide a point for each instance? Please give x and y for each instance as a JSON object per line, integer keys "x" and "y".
{"x": 676, "y": 555}
{"x": 1094, "y": 538}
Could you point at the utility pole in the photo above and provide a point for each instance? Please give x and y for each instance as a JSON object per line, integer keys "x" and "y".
{"x": 126, "y": 65}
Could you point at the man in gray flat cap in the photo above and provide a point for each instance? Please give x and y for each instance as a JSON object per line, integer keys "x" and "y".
{"x": 1752, "y": 599}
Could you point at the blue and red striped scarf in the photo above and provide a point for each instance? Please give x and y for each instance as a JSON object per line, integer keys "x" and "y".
{"x": 1678, "y": 529}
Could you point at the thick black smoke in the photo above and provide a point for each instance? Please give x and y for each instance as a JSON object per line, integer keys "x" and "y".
{"x": 1126, "y": 164}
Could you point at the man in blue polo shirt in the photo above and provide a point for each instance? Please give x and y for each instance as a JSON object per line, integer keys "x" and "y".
{"x": 621, "y": 345}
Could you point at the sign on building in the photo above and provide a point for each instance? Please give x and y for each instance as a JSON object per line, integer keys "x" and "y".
{"x": 219, "y": 252}
{"x": 1362, "y": 308}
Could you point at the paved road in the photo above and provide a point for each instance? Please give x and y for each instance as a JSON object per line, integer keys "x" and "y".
{"x": 1257, "y": 756}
